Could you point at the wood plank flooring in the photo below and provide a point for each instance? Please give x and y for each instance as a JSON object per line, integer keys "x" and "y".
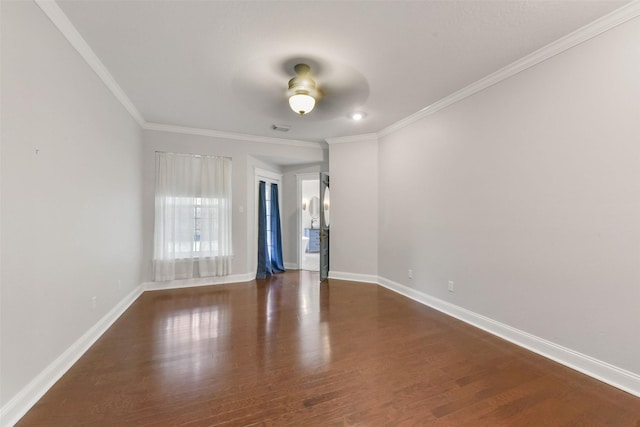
{"x": 290, "y": 351}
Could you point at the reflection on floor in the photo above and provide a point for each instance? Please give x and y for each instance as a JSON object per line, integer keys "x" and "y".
{"x": 311, "y": 261}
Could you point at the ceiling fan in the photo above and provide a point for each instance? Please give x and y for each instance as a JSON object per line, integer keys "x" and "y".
{"x": 274, "y": 86}
{"x": 303, "y": 92}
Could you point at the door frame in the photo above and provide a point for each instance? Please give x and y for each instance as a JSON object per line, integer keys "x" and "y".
{"x": 325, "y": 235}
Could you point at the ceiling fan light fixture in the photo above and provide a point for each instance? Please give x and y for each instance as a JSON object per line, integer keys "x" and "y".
{"x": 302, "y": 103}
{"x": 302, "y": 90}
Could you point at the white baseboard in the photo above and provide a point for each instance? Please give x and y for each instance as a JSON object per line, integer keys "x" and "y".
{"x": 291, "y": 266}
{"x": 14, "y": 409}
{"x": 605, "y": 372}
{"x": 354, "y": 277}
{"x": 199, "y": 281}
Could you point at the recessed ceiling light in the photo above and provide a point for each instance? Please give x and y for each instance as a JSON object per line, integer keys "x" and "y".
{"x": 357, "y": 115}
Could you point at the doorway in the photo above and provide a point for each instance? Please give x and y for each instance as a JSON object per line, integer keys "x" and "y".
{"x": 309, "y": 222}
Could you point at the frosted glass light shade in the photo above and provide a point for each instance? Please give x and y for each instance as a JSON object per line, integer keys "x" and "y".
{"x": 301, "y": 103}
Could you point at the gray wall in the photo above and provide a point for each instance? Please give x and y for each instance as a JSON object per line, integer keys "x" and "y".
{"x": 71, "y": 197}
{"x": 354, "y": 207}
{"x": 527, "y": 195}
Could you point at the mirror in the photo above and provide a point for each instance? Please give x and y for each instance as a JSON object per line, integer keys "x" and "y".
{"x": 314, "y": 210}
{"x": 326, "y": 205}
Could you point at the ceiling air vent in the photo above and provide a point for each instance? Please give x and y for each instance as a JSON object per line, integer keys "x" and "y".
{"x": 281, "y": 128}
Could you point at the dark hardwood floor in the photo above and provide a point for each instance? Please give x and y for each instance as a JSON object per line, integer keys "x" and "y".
{"x": 290, "y": 351}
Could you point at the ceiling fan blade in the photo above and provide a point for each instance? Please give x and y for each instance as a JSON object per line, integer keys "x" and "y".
{"x": 262, "y": 86}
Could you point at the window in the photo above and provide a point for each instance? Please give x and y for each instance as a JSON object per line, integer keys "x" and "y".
{"x": 192, "y": 245}
{"x": 192, "y": 234}
{"x": 269, "y": 231}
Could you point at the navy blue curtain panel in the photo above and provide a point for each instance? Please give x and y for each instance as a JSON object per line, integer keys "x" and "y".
{"x": 269, "y": 262}
{"x": 264, "y": 263}
{"x": 277, "y": 263}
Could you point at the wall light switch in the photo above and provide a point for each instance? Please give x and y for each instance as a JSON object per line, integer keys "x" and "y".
{"x": 451, "y": 287}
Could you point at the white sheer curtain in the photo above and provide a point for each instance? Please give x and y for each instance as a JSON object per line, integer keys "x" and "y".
{"x": 215, "y": 224}
{"x": 192, "y": 235}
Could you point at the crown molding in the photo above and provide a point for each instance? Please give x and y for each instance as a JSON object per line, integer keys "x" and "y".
{"x": 366, "y": 137}
{"x": 60, "y": 20}
{"x": 231, "y": 135}
{"x": 605, "y": 23}
{"x": 69, "y": 31}
{"x": 597, "y": 27}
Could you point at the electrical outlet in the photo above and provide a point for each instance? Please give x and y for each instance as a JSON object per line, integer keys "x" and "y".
{"x": 119, "y": 283}
{"x": 451, "y": 286}
{"x": 94, "y": 302}
{"x": 410, "y": 273}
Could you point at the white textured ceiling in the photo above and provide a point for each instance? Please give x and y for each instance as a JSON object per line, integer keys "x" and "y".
{"x": 224, "y": 65}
